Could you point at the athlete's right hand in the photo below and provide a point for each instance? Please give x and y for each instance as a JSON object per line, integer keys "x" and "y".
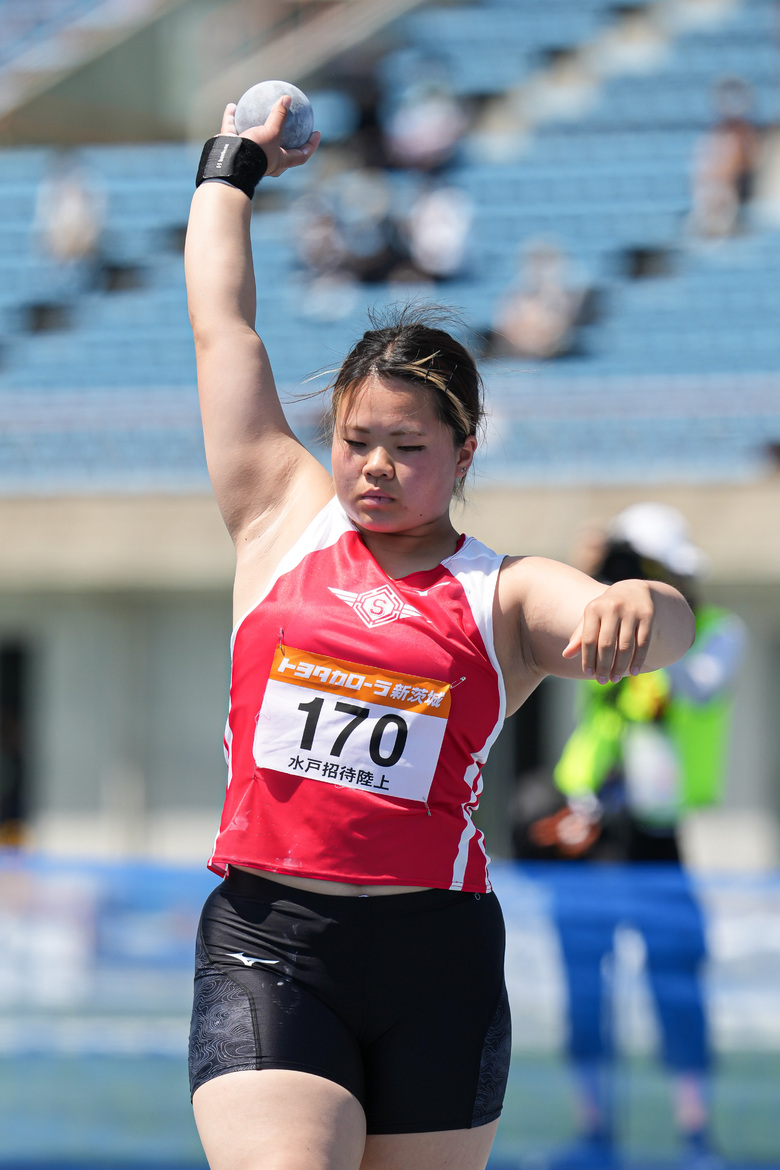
{"x": 269, "y": 137}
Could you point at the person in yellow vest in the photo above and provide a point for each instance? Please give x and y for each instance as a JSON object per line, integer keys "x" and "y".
{"x": 645, "y": 751}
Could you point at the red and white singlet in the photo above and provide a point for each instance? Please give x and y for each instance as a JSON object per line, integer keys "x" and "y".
{"x": 362, "y": 709}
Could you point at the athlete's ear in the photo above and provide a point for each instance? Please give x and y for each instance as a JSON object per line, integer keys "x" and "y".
{"x": 466, "y": 456}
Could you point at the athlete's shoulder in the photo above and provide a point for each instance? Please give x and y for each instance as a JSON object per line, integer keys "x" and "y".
{"x": 472, "y": 555}
{"x": 324, "y": 529}
{"x": 329, "y": 525}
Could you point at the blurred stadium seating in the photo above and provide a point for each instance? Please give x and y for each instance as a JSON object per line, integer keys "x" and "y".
{"x": 614, "y": 181}
{"x": 25, "y": 23}
{"x": 492, "y": 46}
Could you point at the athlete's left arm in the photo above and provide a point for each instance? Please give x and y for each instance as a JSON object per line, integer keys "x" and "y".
{"x": 565, "y": 623}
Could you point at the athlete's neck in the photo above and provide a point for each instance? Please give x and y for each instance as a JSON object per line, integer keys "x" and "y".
{"x": 401, "y": 553}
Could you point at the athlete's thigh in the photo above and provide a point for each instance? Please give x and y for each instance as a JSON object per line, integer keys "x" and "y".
{"x": 451, "y": 1149}
{"x": 279, "y": 1119}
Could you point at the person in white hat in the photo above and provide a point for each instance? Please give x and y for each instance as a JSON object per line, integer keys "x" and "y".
{"x": 646, "y": 751}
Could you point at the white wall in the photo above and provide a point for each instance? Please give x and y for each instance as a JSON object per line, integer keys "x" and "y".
{"x": 128, "y": 696}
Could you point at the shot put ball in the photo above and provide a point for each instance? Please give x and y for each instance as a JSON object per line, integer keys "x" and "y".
{"x": 256, "y": 104}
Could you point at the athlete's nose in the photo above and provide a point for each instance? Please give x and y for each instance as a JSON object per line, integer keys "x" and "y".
{"x": 378, "y": 464}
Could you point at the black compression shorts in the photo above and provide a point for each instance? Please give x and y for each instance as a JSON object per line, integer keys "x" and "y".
{"x": 400, "y": 998}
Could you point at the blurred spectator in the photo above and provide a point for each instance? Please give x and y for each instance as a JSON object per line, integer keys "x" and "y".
{"x": 425, "y": 127}
{"x": 365, "y": 213}
{"x": 329, "y": 290}
{"x": 346, "y": 235}
{"x": 437, "y": 230}
{"x": 645, "y": 751}
{"x": 322, "y": 249}
{"x": 539, "y": 318}
{"x": 724, "y": 165}
{"x": 368, "y": 140}
{"x": 69, "y": 219}
{"x": 347, "y": 228}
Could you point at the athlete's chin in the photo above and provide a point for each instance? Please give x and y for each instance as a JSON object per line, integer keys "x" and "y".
{"x": 387, "y": 517}
{"x": 374, "y": 520}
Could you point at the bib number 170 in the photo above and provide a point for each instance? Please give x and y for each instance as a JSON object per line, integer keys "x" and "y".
{"x": 387, "y": 738}
{"x": 357, "y": 727}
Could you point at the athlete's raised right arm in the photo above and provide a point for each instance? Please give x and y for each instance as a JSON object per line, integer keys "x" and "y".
{"x": 257, "y": 466}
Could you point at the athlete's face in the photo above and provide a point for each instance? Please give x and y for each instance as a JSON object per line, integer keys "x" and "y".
{"x": 394, "y": 462}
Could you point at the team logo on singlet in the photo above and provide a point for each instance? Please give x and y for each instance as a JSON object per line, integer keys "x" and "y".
{"x": 377, "y": 607}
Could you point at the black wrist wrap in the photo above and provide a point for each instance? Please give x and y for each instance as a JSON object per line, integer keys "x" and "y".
{"x": 236, "y": 160}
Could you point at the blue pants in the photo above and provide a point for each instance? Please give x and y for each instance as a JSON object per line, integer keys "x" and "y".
{"x": 590, "y": 902}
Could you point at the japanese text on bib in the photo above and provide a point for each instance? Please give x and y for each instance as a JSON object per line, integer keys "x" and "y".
{"x": 351, "y": 725}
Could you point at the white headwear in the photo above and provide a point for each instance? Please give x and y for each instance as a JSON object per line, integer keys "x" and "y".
{"x": 660, "y": 533}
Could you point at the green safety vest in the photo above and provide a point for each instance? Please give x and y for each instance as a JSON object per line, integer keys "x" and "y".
{"x": 699, "y": 732}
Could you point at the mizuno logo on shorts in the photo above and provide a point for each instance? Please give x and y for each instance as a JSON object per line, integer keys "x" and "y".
{"x": 250, "y": 960}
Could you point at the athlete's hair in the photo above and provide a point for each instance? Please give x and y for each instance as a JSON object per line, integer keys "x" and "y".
{"x": 408, "y": 344}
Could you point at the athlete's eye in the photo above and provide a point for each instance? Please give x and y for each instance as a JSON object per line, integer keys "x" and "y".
{"x": 410, "y": 448}
{"x": 354, "y": 443}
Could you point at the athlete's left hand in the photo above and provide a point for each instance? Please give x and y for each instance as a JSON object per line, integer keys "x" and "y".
{"x": 614, "y": 635}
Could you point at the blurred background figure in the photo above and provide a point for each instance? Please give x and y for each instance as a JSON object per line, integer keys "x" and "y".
{"x": 329, "y": 288}
{"x": 322, "y": 249}
{"x": 724, "y": 164}
{"x": 346, "y": 235}
{"x": 645, "y": 751}
{"x": 69, "y": 219}
{"x": 437, "y": 231}
{"x": 356, "y": 231}
{"x": 539, "y": 318}
{"x": 425, "y": 127}
{"x": 368, "y": 224}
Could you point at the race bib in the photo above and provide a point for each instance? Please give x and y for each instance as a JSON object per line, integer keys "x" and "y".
{"x": 351, "y": 725}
